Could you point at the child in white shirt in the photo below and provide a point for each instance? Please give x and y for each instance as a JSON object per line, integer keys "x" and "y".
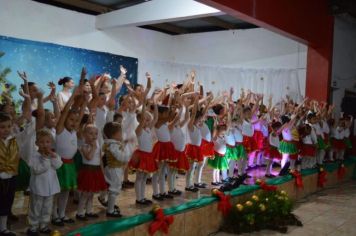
{"x": 44, "y": 183}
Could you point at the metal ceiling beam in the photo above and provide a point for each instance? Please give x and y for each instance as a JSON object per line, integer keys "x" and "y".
{"x": 155, "y": 12}
{"x": 218, "y": 22}
{"x": 171, "y": 28}
{"x": 86, "y": 5}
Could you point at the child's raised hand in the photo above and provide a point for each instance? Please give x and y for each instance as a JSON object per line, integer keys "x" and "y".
{"x": 123, "y": 70}
{"x": 22, "y": 75}
{"x": 83, "y": 74}
{"x": 51, "y": 85}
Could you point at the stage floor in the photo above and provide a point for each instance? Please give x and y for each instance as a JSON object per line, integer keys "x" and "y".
{"x": 126, "y": 202}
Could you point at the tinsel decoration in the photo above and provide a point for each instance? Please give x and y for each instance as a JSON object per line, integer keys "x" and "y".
{"x": 161, "y": 221}
{"x": 265, "y": 186}
{"x": 224, "y": 204}
{"x": 298, "y": 178}
{"x": 321, "y": 178}
{"x": 341, "y": 172}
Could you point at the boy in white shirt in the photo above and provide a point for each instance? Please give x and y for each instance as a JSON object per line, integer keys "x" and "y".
{"x": 44, "y": 183}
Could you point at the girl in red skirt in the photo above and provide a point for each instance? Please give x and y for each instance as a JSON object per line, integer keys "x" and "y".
{"x": 271, "y": 152}
{"x": 163, "y": 151}
{"x": 193, "y": 150}
{"x": 143, "y": 160}
{"x": 179, "y": 141}
{"x": 90, "y": 179}
{"x": 308, "y": 146}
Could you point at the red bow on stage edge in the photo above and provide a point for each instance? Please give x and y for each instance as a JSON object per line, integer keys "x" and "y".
{"x": 161, "y": 221}
{"x": 298, "y": 179}
{"x": 264, "y": 186}
{"x": 322, "y": 178}
{"x": 224, "y": 204}
{"x": 341, "y": 172}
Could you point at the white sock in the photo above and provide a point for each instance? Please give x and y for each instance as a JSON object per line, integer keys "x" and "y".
{"x": 251, "y": 159}
{"x": 172, "y": 179}
{"x": 292, "y": 164}
{"x": 143, "y": 186}
{"x": 216, "y": 176}
{"x": 244, "y": 166}
{"x": 138, "y": 184}
{"x": 62, "y": 203}
{"x": 224, "y": 174}
{"x": 111, "y": 202}
{"x": 89, "y": 207}
{"x": 55, "y": 207}
{"x": 269, "y": 167}
{"x": 189, "y": 175}
{"x": 155, "y": 183}
{"x": 199, "y": 172}
{"x": 232, "y": 164}
{"x": 284, "y": 160}
{"x": 103, "y": 195}
{"x": 162, "y": 176}
{"x": 171, "y": 176}
{"x": 320, "y": 157}
{"x": 82, "y": 203}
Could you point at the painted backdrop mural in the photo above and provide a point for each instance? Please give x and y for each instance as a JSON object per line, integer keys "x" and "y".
{"x": 44, "y": 62}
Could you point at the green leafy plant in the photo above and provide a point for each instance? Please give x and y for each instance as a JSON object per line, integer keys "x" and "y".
{"x": 6, "y": 86}
{"x": 267, "y": 210}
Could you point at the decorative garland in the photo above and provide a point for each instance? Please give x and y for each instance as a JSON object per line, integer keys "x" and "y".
{"x": 264, "y": 186}
{"x": 271, "y": 209}
{"x": 224, "y": 204}
{"x": 161, "y": 221}
{"x": 321, "y": 177}
{"x": 341, "y": 172}
{"x": 298, "y": 179}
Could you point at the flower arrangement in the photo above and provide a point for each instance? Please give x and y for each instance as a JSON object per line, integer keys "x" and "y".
{"x": 266, "y": 210}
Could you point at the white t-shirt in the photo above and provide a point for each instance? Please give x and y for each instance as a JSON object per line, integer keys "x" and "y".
{"x": 44, "y": 181}
{"x": 66, "y": 144}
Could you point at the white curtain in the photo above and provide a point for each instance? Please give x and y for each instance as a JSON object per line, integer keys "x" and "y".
{"x": 278, "y": 82}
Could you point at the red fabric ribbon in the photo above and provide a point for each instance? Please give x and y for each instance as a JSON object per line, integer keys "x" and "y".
{"x": 341, "y": 172}
{"x": 224, "y": 204}
{"x": 298, "y": 179}
{"x": 322, "y": 179}
{"x": 267, "y": 187}
{"x": 161, "y": 222}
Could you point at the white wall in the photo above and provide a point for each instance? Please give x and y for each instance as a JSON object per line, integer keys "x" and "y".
{"x": 255, "y": 48}
{"x": 344, "y": 58}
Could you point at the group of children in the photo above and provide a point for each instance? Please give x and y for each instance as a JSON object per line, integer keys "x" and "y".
{"x": 91, "y": 140}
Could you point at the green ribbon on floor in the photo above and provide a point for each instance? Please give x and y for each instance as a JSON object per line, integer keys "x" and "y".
{"x": 115, "y": 226}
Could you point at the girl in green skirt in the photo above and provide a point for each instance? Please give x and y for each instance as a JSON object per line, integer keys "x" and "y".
{"x": 220, "y": 162}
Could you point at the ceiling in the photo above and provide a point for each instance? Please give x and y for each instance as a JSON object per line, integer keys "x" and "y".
{"x": 198, "y": 25}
